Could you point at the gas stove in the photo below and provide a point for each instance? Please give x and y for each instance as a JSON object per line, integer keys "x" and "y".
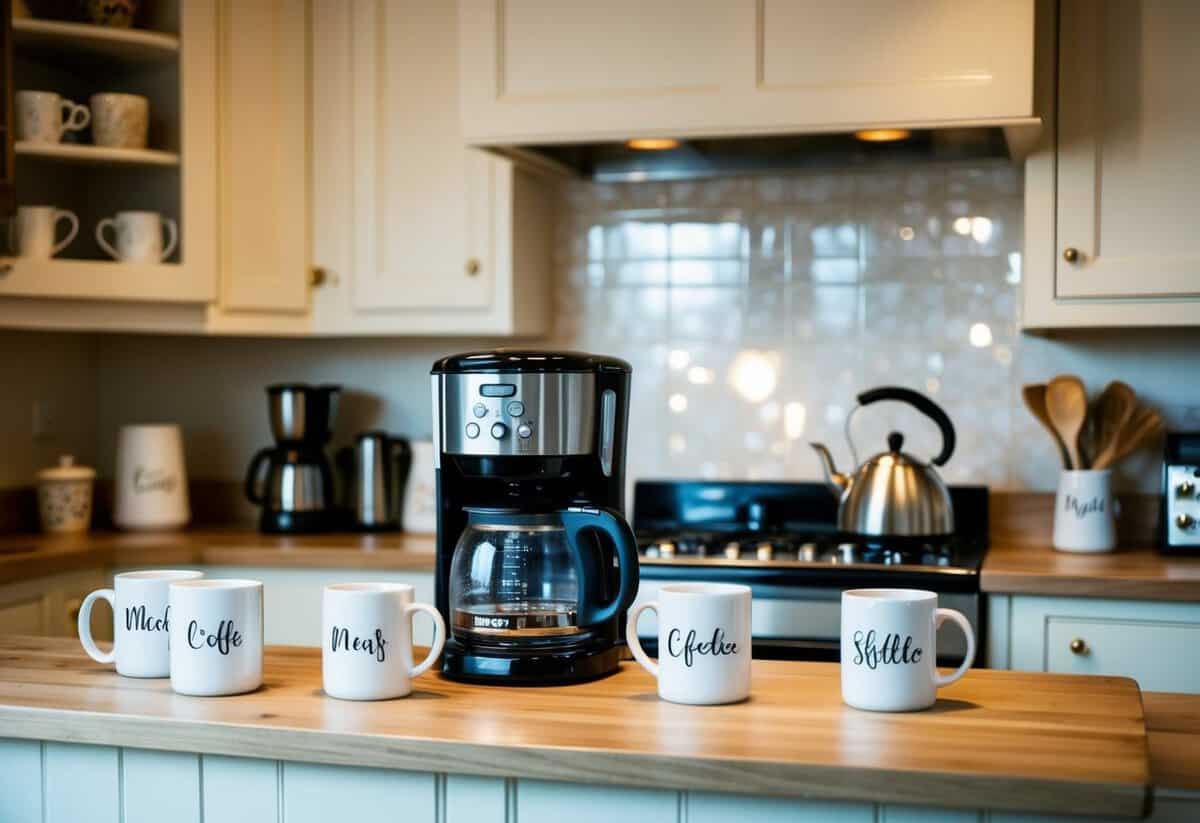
{"x": 782, "y": 540}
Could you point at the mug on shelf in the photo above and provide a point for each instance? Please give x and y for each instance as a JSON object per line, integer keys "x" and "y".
{"x": 150, "y": 487}
{"x": 889, "y": 649}
{"x": 43, "y": 116}
{"x": 139, "y": 236}
{"x": 1083, "y": 512}
{"x": 31, "y": 233}
{"x": 216, "y": 636}
{"x": 120, "y": 121}
{"x": 366, "y": 651}
{"x": 703, "y": 642}
{"x": 141, "y": 622}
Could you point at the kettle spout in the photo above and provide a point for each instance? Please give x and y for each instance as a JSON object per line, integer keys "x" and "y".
{"x": 837, "y": 482}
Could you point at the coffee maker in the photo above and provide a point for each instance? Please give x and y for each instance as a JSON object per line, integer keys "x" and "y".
{"x": 536, "y": 564}
{"x": 293, "y": 481}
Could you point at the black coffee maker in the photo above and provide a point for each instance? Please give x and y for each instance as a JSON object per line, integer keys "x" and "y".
{"x": 293, "y": 481}
{"x": 536, "y": 564}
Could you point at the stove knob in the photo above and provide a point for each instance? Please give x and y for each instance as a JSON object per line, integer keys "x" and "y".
{"x": 764, "y": 551}
{"x": 499, "y": 431}
{"x": 666, "y": 549}
{"x": 1185, "y": 488}
{"x": 732, "y": 551}
{"x": 1185, "y": 522}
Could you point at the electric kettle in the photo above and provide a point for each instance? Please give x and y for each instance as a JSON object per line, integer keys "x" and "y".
{"x": 894, "y": 494}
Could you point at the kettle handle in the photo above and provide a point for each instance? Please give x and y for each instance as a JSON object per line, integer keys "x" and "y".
{"x": 613, "y": 525}
{"x": 922, "y": 404}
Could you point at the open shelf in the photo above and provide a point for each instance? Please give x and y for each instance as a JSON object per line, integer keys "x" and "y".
{"x": 96, "y": 155}
{"x": 102, "y": 280}
{"x": 84, "y": 42}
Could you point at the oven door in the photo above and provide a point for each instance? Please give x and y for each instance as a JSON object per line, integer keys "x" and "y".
{"x": 804, "y": 622}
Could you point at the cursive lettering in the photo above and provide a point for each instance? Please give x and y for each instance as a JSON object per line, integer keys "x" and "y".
{"x": 688, "y": 648}
{"x": 152, "y": 480}
{"x": 138, "y": 619}
{"x": 889, "y": 651}
{"x": 342, "y": 640}
{"x": 1082, "y": 508}
{"x": 224, "y": 639}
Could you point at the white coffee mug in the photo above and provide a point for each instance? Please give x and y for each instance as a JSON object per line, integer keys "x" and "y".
{"x": 141, "y": 620}
{"x": 150, "y": 487}
{"x": 366, "y": 651}
{"x": 31, "y": 233}
{"x": 138, "y": 236}
{"x": 1083, "y": 512}
{"x": 703, "y": 642}
{"x": 889, "y": 649}
{"x": 120, "y": 121}
{"x": 43, "y": 116}
{"x": 216, "y": 636}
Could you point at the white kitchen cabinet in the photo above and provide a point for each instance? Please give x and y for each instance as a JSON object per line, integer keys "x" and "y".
{"x": 1110, "y": 231}
{"x": 539, "y": 71}
{"x": 50, "y": 605}
{"x": 1149, "y": 641}
{"x": 417, "y": 234}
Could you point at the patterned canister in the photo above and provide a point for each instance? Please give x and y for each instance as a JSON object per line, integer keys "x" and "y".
{"x": 65, "y": 496}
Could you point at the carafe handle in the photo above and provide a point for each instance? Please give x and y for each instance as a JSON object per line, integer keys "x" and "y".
{"x": 613, "y": 525}
{"x": 254, "y": 476}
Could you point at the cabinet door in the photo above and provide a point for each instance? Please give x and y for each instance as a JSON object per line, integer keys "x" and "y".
{"x": 545, "y": 71}
{"x": 264, "y": 156}
{"x": 1129, "y": 163}
{"x": 7, "y": 119}
{"x": 23, "y": 615}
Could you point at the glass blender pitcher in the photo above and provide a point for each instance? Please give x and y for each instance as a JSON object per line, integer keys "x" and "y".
{"x": 539, "y": 582}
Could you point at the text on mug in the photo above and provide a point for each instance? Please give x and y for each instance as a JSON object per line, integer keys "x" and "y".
{"x": 688, "y": 647}
{"x": 890, "y": 651}
{"x": 341, "y": 640}
{"x": 224, "y": 639}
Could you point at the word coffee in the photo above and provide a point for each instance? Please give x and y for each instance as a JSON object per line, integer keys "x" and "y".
{"x": 224, "y": 639}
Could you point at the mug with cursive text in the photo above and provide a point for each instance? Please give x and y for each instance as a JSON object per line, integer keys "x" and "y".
{"x": 141, "y": 618}
{"x": 889, "y": 649}
{"x": 703, "y": 642}
{"x": 366, "y": 649}
{"x": 216, "y": 636}
{"x": 1083, "y": 512}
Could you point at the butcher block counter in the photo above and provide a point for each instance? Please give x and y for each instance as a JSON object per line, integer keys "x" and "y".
{"x": 1134, "y": 573}
{"x": 1047, "y": 744}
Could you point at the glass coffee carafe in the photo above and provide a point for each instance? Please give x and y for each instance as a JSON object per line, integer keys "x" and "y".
{"x": 540, "y": 580}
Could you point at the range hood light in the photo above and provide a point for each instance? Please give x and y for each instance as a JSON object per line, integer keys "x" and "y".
{"x": 882, "y": 135}
{"x": 652, "y": 143}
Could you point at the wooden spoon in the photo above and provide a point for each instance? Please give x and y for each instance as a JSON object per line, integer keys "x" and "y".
{"x": 1111, "y": 412}
{"x": 1066, "y": 406}
{"x": 1035, "y": 401}
{"x": 1144, "y": 426}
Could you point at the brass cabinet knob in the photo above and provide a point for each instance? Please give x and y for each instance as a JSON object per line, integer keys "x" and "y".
{"x": 1078, "y": 646}
{"x": 316, "y": 276}
{"x": 473, "y": 267}
{"x": 1071, "y": 254}
{"x": 5, "y": 269}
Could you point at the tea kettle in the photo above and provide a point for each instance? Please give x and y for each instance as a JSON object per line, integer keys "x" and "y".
{"x": 894, "y": 494}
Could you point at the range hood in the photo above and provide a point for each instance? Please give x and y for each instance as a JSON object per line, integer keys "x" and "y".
{"x": 713, "y": 157}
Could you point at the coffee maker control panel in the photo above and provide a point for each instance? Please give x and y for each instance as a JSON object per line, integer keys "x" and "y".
{"x": 524, "y": 414}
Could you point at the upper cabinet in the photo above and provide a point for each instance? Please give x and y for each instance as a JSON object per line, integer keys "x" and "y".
{"x": 541, "y": 71}
{"x": 1110, "y": 227}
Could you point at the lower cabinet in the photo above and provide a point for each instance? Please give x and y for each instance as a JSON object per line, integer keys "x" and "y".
{"x": 50, "y": 606}
{"x": 56, "y": 782}
{"x": 1144, "y": 640}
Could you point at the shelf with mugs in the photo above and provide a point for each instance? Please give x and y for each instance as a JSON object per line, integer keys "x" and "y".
{"x": 100, "y": 280}
{"x": 95, "y": 155}
{"x": 87, "y": 43}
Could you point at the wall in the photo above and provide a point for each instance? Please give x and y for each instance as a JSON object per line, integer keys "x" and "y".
{"x": 753, "y": 310}
{"x": 57, "y": 369}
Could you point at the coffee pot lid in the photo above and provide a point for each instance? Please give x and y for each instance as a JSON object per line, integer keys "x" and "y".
{"x": 67, "y": 470}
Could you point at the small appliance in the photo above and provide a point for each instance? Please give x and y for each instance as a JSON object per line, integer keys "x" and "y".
{"x": 894, "y": 494}
{"x": 536, "y": 565}
{"x": 292, "y": 481}
{"x": 374, "y": 473}
{"x": 1181, "y": 494}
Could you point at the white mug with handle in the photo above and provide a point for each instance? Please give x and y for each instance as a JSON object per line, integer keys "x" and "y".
{"x": 31, "y": 233}
{"x": 141, "y": 622}
{"x": 366, "y": 648}
{"x": 43, "y": 116}
{"x": 889, "y": 649}
{"x": 703, "y": 642}
{"x": 138, "y": 236}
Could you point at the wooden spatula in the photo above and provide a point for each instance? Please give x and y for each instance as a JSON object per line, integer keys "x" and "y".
{"x": 1035, "y": 400}
{"x": 1066, "y": 406}
{"x": 1141, "y": 429}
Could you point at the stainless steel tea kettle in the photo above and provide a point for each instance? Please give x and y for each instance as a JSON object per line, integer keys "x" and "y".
{"x": 894, "y": 494}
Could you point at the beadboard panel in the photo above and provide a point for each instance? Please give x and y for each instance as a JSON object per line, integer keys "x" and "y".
{"x": 471, "y": 799}
{"x": 20, "y": 780}
{"x": 157, "y": 786}
{"x": 240, "y": 789}
{"x": 317, "y": 794}
{"x": 81, "y": 782}
{"x": 541, "y": 801}
{"x": 718, "y": 808}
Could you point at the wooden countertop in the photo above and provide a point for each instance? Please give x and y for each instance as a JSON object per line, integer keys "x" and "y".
{"x": 1173, "y": 724}
{"x": 1001, "y": 740}
{"x": 24, "y": 556}
{"x": 1136, "y": 573}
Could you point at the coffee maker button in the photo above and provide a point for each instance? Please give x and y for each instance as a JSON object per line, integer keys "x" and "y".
{"x": 472, "y": 430}
{"x": 480, "y": 410}
{"x": 499, "y": 431}
{"x": 524, "y": 431}
{"x": 516, "y": 408}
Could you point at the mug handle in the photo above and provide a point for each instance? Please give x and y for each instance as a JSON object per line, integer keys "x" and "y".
{"x": 940, "y": 615}
{"x": 172, "y": 237}
{"x": 85, "y": 625}
{"x": 69, "y": 216}
{"x": 77, "y": 117}
{"x": 109, "y": 223}
{"x": 635, "y": 643}
{"x": 439, "y": 635}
